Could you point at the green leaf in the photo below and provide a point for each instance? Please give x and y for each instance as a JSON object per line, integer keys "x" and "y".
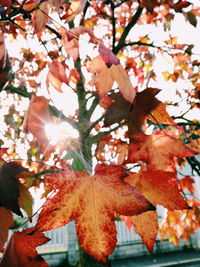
{"x": 77, "y": 160}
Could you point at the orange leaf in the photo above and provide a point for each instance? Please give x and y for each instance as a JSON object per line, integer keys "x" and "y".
{"x": 158, "y": 151}
{"x": 25, "y": 200}
{"x": 37, "y": 115}
{"x": 40, "y": 19}
{"x": 74, "y": 76}
{"x": 6, "y": 221}
{"x": 105, "y": 77}
{"x": 149, "y": 4}
{"x": 156, "y": 187}
{"x": 93, "y": 202}
{"x": 70, "y": 40}
{"x": 160, "y": 115}
{"x": 57, "y": 75}
{"x": 30, "y": 5}
{"x": 21, "y": 249}
{"x": 187, "y": 183}
{"x": 2, "y": 53}
{"x": 145, "y": 105}
{"x": 146, "y": 225}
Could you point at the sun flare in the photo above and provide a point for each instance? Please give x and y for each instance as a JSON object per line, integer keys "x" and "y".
{"x": 57, "y": 132}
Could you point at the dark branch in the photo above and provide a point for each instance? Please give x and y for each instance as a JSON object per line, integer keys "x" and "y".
{"x": 54, "y": 31}
{"x": 113, "y": 19}
{"x": 96, "y": 138}
{"x": 127, "y": 30}
{"x": 84, "y": 12}
{"x": 95, "y": 123}
{"x": 195, "y": 164}
{"x": 163, "y": 48}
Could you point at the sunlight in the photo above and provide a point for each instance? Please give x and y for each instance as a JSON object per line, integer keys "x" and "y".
{"x": 58, "y": 132}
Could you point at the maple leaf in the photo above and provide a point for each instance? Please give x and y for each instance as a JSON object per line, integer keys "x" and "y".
{"x": 93, "y": 201}
{"x": 57, "y": 75}
{"x": 107, "y": 55}
{"x": 135, "y": 114}
{"x": 105, "y": 76}
{"x": 149, "y": 4}
{"x": 158, "y": 187}
{"x": 21, "y": 249}
{"x": 36, "y": 117}
{"x": 40, "y": 19}
{"x": 187, "y": 183}
{"x": 6, "y": 221}
{"x": 70, "y": 40}
{"x": 25, "y": 200}
{"x": 9, "y": 186}
{"x": 180, "y": 5}
{"x": 5, "y": 66}
{"x": 75, "y": 7}
{"x": 158, "y": 151}
{"x": 146, "y": 226}
{"x": 3, "y": 52}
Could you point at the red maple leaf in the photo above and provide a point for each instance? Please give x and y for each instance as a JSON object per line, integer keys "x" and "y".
{"x": 21, "y": 249}
{"x": 93, "y": 201}
{"x": 137, "y": 112}
{"x": 6, "y": 221}
{"x": 40, "y": 18}
{"x": 105, "y": 76}
{"x": 36, "y": 117}
{"x": 57, "y": 75}
{"x": 149, "y": 4}
{"x": 145, "y": 225}
{"x": 187, "y": 183}
{"x": 158, "y": 151}
{"x": 155, "y": 186}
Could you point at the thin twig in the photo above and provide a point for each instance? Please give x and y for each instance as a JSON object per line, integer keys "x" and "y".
{"x": 113, "y": 24}
{"x": 95, "y": 123}
{"x": 96, "y": 138}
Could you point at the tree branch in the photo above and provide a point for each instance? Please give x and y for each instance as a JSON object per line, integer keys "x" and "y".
{"x": 93, "y": 106}
{"x": 113, "y": 19}
{"x": 95, "y": 123}
{"x": 84, "y": 12}
{"x": 195, "y": 164}
{"x": 96, "y": 138}
{"x": 127, "y": 30}
{"x": 163, "y": 48}
{"x": 53, "y": 31}
{"x": 18, "y": 90}
{"x": 117, "y": 5}
{"x": 61, "y": 116}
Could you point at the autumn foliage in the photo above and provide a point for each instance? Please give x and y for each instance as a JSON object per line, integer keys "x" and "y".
{"x": 78, "y": 63}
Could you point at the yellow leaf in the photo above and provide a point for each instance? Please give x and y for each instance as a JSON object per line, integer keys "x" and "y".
{"x": 25, "y": 200}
